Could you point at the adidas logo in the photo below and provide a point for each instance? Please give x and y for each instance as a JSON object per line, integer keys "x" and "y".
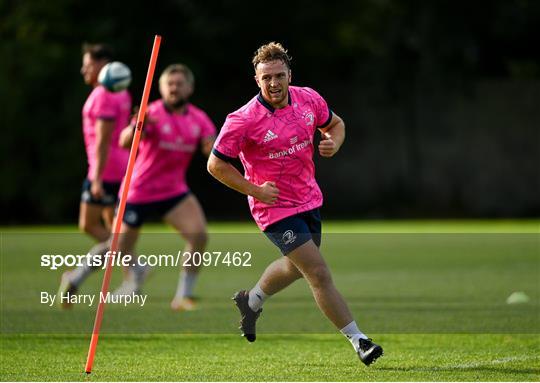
{"x": 269, "y": 136}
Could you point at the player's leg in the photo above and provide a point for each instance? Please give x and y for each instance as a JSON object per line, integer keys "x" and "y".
{"x": 135, "y": 273}
{"x": 72, "y": 279}
{"x": 287, "y": 234}
{"x": 109, "y": 201}
{"x": 108, "y": 216}
{"x": 92, "y": 212}
{"x": 187, "y": 217}
{"x": 277, "y": 276}
{"x": 309, "y": 261}
{"x": 90, "y": 216}
{"x": 300, "y": 236}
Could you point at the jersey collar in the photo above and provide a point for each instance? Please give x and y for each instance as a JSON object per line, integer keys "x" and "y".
{"x": 170, "y": 111}
{"x": 264, "y": 103}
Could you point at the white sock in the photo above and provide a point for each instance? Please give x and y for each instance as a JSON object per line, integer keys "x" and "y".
{"x": 186, "y": 283}
{"x": 139, "y": 272}
{"x": 80, "y": 273}
{"x": 352, "y": 333}
{"x": 256, "y": 298}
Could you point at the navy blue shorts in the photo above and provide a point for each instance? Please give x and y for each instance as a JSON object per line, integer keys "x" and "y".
{"x": 108, "y": 199}
{"x": 292, "y": 232}
{"x": 136, "y": 213}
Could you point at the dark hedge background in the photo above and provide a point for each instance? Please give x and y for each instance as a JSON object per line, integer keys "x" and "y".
{"x": 441, "y": 98}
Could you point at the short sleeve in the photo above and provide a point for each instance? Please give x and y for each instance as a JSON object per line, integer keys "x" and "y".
{"x": 323, "y": 114}
{"x": 105, "y": 106}
{"x": 231, "y": 138}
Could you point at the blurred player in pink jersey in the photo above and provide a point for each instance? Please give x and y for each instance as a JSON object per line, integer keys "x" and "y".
{"x": 104, "y": 115}
{"x": 173, "y": 131}
{"x": 273, "y": 137}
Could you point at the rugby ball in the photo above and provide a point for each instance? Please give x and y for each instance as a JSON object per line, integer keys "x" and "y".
{"x": 115, "y": 76}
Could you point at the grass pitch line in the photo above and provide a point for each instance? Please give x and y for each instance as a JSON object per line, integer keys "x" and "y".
{"x": 509, "y": 359}
{"x": 473, "y": 365}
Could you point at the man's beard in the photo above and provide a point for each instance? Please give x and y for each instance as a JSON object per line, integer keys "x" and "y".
{"x": 178, "y": 104}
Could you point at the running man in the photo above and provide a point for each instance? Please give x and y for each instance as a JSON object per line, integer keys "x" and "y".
{"x": 104, "y": 114}
{"x": 173, "y": 130}
{"x": 273, "y": 137}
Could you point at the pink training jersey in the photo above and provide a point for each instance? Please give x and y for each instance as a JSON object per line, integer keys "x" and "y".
{"x": 277, "y": 145}
{"x": 166, "y": 151}
{"x": 102, "y": 104}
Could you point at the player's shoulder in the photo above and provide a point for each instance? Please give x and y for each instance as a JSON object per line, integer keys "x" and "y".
{"x": 122, "y": 95}
{"x": 155, "y": 106}
{"x": 99, "y": 99}
{"x": 303, "y": 91}
{"x": 102, "y": 93}
{"x": 195, "y": 109}
{"x": 197, "y": 112}
{"x": 200, "y": 116}
{"x": 98, "y": 92}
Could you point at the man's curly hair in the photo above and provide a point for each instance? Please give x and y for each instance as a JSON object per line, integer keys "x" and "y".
{"x": 270, "y": 52}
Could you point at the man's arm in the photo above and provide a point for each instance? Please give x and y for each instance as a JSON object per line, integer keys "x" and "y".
{"x": 333, "y": 136}
{"x": 230, "y": 176}
{"x": 207, "y": 144}
{"x": 104, "y": 129}
{"x": 126, "y": 137}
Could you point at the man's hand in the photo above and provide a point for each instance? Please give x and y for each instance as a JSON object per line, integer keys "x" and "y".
{"x": 267, "y": 193}
{"x": 327, "y": 146}
{"x": 96, "y": 189}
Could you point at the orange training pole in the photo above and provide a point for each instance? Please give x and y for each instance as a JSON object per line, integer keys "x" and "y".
{"x": 118, "y": 220}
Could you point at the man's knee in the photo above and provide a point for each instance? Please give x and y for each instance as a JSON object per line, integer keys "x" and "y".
{"x": 319, "y": 276}
{"x": 86, "y": 227}
{"x": 198, "y": 239}
{"x": 89, "y": 219}
{"x": 292, "y": 270}
{"x": 202, "y": 239}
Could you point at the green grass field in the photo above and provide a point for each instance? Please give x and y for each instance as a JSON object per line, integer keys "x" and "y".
{"x": 433, "y": 294}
